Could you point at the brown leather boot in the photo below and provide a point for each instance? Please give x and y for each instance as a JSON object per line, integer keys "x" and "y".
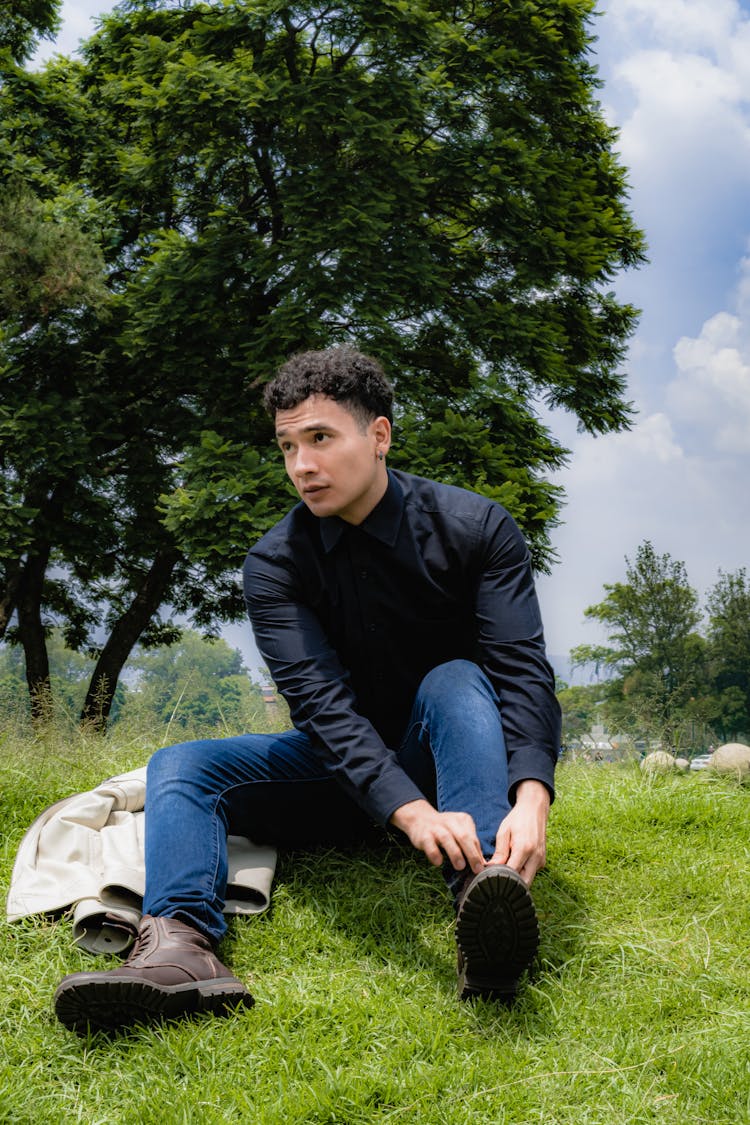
{"x": 171, "y": 971}
{"x": 496, "y": 932}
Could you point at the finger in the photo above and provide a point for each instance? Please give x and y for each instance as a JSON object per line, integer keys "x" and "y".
{"x": 527, "y": 874}
{"x": 529, "y": 863}
{"x": 521, "y": 854}
{"x": 468, "y": 841}
{"x": 502, "y": 846}
{"x": 474, "y": 857}
{"x": 457, "y": 837}
{"x": 529, "y": 871}
{"x": 478, "y": 864}
{"x": 441, "y": 844}
{"x": 432, "y": 850}
{"x": 454, "y": 853}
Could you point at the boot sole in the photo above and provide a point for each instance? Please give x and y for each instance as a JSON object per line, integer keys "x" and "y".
{"x": 110, "y": 1005}
{"x": 497, "y": 934}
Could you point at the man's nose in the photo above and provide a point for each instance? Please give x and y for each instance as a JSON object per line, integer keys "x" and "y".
{"x": 305, "y": 461}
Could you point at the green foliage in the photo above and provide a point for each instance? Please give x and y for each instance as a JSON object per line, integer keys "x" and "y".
{"x": 729, "y": 654}
{"x": 214, "y": 508}
{"x": 195, "y": 685}
{"x": 192, "y": 687}
{"x": 69, "y": 674}
{"x": 433, "y": 182}
{"x": 48, "y": 264}
{"x": 650, "y": 616}
{"x": 22, "y": 22}
{"x": 581, "y": 708}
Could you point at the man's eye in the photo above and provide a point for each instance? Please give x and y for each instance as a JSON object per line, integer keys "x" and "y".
{"x": 319, "y": 437}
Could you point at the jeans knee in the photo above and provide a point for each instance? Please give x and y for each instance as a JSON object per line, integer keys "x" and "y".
{"x": 454, "y": 677}
{"x": 173, "y": 763}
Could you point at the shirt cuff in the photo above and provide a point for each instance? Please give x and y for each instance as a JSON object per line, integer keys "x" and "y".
{"x": 531, "y": 765}
{"x": 392, "y": 790}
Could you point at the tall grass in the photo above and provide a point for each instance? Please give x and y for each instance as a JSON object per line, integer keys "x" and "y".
{"x": 638, "y": 1010}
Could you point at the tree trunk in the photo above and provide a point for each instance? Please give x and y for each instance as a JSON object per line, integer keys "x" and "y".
{"x": 8, "y": 595}
{"x": 26, "y": 579}
{"x": 31, "y": 634}
{"x": 122, "y": 638}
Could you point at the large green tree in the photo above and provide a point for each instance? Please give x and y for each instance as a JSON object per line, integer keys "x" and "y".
{"x": 431, "y": 181}
{"x": 655, "y": 659}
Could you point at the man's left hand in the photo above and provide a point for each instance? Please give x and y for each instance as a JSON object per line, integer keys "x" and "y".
{"x": 521, "y": 841}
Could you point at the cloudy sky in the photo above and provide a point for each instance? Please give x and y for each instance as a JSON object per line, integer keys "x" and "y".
{"x": 676, "y": 79}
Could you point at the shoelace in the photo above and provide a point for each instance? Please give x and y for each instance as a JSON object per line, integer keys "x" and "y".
{"x": 141, "y": 945}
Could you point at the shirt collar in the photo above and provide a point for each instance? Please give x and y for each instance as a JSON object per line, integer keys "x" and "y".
{"x": 383, "y": 522}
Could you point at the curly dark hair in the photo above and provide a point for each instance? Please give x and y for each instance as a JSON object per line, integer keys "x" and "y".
{"x": 347, "y": 376}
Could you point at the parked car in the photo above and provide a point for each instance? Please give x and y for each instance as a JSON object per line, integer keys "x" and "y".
{"x": 700, "y": 762}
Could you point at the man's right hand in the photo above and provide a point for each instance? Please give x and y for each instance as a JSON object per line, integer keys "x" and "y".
{"x": 441, "y": 835}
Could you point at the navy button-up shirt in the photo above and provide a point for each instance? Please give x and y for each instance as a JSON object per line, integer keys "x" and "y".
{"x": 349, "y": 620}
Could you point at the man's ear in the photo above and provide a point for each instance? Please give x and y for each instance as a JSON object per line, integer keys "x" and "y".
{"x": 380, "y": 429}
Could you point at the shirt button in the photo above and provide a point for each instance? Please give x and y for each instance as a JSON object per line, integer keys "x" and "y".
{"x": 363, "y": 574}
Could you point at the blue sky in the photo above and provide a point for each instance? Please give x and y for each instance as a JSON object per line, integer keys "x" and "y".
{"x": 677, "y": 86}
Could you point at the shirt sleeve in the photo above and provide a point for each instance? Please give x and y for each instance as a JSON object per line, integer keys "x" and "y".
{"x": 511, "y": 641}
{"x": 307, "y": 671}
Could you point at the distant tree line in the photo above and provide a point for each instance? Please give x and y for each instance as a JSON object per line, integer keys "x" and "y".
{"x": 191, "y": 687}
{"x": 669, "y": 673}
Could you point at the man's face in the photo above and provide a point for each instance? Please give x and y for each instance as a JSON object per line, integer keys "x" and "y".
{"x": 331, "y": 460}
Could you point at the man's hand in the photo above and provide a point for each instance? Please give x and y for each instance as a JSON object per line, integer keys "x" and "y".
{"x": 521, "y": 841}
{"x": 441, "y": 835}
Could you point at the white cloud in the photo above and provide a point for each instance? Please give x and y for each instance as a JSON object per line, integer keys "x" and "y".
{"x": 688, "y": 135}
{"x": 605, "y": 459}
{"x": 705, "y": 25}
{"x": 712, "y": 389}
{"x": 678, "y": 88}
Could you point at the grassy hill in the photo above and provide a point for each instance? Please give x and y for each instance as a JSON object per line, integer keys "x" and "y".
{"x": 638, "y": 1010}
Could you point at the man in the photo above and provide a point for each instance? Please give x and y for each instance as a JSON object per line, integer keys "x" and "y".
{"x": 399, "y": 621}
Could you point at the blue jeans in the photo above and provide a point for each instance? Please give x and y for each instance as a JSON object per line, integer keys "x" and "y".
{"x": 274, "y": 789}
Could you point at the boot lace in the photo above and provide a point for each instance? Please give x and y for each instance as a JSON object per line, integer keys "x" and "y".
{"x": 142, "y": 944}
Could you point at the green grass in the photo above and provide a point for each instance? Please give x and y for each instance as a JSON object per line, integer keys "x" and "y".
{"x": 639, "y": 1009}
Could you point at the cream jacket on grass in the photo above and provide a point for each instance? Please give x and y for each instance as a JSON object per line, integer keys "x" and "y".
{"x": 85, "y": 854}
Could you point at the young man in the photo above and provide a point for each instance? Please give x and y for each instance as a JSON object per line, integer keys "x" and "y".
{"x": 399, "y": 621}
